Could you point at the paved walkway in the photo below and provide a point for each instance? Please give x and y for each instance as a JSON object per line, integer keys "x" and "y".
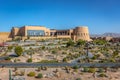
{"x": 25, "y": 65}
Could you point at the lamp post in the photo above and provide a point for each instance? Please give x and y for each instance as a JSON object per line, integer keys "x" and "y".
{"x": 87, "y": 49}
{"x": 10, "y": 78}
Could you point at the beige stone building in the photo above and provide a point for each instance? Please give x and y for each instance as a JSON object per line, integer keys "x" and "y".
{"x": 4, "y": 36}
{"x": 41, "y": 32}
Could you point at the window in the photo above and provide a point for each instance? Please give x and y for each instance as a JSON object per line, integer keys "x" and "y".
{"x": 35, "y": 33}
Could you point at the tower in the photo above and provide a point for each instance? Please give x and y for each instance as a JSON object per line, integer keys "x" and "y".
{"x": 81, "y": 32}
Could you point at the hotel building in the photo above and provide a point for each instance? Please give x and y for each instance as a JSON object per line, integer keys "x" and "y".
{"x": 40, "y": 32}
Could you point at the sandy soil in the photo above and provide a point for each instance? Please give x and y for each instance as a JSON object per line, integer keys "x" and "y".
{"x": 4, "y": 74}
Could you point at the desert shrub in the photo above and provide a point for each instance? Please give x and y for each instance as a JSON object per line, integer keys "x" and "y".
{"x": 112, "y": 60}
{"x": 92, "y": 70}
{"x": 64, "y": 52}
{"x": 18, "y": 50}
{"x": 94, "y": 57}
{"x": 102, "y": 75}
{"x": 40, "y": 75}
{"x": 69, "y": 43}
{"x": 85, "y": 69}
{"x": 100, "y": 70}
{"x": 75, "y": 67}
{"x": 54, "y": 51}
{"x": 29, "y": 60}
{"x": 43, "y": 47}
{"x": 8, "y": 58}
{"x": 10, "y": 48}
{"x": 64, "y": 59}
{"x": 31, "y": 74}
{"x": 81, "y": 42}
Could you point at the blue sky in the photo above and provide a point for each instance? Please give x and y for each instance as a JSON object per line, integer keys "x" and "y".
{"x": 99, "y": 15}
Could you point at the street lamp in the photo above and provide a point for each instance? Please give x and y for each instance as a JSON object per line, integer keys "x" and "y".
{"x": 87, "y": 49}
{"x": 10, "y": 78}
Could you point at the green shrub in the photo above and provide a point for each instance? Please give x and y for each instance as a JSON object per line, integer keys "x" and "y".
{"x": 40, "y": 75}
{"x": 43, "y": 47}
{"x": 85, "y": 69}
{"x": 69, "y": 43}
{"x": 112, "y": 60}
{"x": 18, "y": 50}
{"x": 64, "y": 52}
{"x": 76, "y": 67}
{"x": 100, "y": 70}
{"x": 92, "y": 70}
{"x": 31, "y": 74}
{"x": 94, "y": 57}
{"x": 64, "y": 59}
{"x": 29, "y": 60}
{"x": 54, "y": 51}
{"x": 102, "y": 75}
{"x": 81, "y": 42}
{"x": 8, "y": 58}
{"x": 10, "y": 48}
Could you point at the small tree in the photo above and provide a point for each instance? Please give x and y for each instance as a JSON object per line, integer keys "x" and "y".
{"x": 18, "y": 50}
